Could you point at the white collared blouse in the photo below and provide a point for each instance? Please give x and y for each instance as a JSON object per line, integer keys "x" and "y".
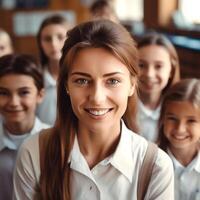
{"x": 114, "y": 178}
{"x": 187, "y": 179}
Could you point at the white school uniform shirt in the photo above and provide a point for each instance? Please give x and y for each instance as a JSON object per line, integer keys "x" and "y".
{"x": 46, "y": 111}
{"x": 9, "y": 145}
{"x": 187, "y": 179}
{"x": 114, "y": 178}
{"x": 148, "y": 121}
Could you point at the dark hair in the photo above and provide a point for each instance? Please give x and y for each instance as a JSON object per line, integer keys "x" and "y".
{"x": 184, "y": 90}
{"x": 94, "y": 34}
{"x": 161, "y": 40}
{"x": 22, "y": 64}
{"x": 53, "y": 19}
{"x": 103, "y": 9}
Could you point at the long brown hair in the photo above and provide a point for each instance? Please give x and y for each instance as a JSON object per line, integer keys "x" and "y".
{"x": 185, "y": 90}
{"x": 54, "y": 182}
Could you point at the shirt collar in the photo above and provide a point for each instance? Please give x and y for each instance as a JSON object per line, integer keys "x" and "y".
{"x": 48, "y": 79}
{"x": 77, "y": 161}
{"x": 145, "y": 112}
{"x": 122, "y": 158}
{"x": 6, "y": 142}
{"x": 194, "y": 165}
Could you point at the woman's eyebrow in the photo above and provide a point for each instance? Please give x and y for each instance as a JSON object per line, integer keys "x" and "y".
{"x": 88, "y": 75}
{"x": 80, "y": 73}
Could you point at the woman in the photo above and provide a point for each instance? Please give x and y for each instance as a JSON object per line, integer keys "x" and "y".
{"x": 90, "y": 154}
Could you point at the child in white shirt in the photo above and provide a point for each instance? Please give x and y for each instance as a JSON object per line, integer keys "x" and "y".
{"x": 159, "y": 70}
{"x": 179, "y": 136}
{"x": 21, "y": 90}
{"x": 50, "y": 39}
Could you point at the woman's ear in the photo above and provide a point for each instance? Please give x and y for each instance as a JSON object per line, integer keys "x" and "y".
{"x": 132, "y": 88}
{"x": 40, "y": 97}
{"x": 67, "y": 89}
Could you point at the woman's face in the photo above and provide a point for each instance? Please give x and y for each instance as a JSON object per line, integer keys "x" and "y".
{"x": 52, "y": 40}
{"x": 155, "y": 69}
{"x": 99, "y": 86}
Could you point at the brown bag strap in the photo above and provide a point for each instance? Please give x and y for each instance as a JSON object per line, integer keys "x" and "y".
{"x": 146, "y": 170}
{"x": 43, "y": 140}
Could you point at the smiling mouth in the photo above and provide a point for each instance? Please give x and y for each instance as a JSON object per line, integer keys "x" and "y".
{"x": 98, "y": 112}
{"x": 180, "y": 137}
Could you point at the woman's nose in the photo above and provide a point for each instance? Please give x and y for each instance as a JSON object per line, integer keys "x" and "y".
{"x": 97, "y": 94}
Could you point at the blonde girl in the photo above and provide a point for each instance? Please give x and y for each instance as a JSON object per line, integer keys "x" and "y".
{"x": 179, "y": 136}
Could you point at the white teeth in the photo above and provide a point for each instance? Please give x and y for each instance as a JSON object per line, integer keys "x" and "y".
{"x": 180, "y": 137}
{"x": 98, "y": 112}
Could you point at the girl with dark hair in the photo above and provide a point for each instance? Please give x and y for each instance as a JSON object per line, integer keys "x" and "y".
{"x": 21, "y": 90}
{"x": 179, "y": 136}
{"x": 50, "y": 39}
{"x": 159, "y": 70}
{"x": 90, "y": 153}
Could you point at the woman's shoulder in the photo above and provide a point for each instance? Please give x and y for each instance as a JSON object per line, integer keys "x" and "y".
{"x": 139, "y": 147}
{"x": 30, "y": 147}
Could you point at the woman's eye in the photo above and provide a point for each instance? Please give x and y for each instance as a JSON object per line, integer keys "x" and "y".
{"x": 113, "y": 81}
{"x": 82, "y": 81}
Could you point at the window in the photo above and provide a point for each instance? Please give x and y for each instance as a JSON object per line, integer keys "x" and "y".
{"x": 130, "y": 9}
{"x": 190, "y": 10}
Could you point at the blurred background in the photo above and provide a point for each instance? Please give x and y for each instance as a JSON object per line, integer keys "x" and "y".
{"x": 177, "y": 19}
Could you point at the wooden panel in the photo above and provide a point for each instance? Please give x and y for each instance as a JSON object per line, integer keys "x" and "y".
{"x": 189, "y": 62}
{"x": 27, "y": 44}
{"x": 158, "y": 12}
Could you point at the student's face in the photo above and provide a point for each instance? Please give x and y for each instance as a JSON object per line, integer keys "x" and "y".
{"x": 155, "y": 69}
{"x": 52, "y": 40}
{"x": 5, "y": 46}
{"x": 99, "y": 86}
{"x": 18, "y": 99}
{"x": 182, "y": 125}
